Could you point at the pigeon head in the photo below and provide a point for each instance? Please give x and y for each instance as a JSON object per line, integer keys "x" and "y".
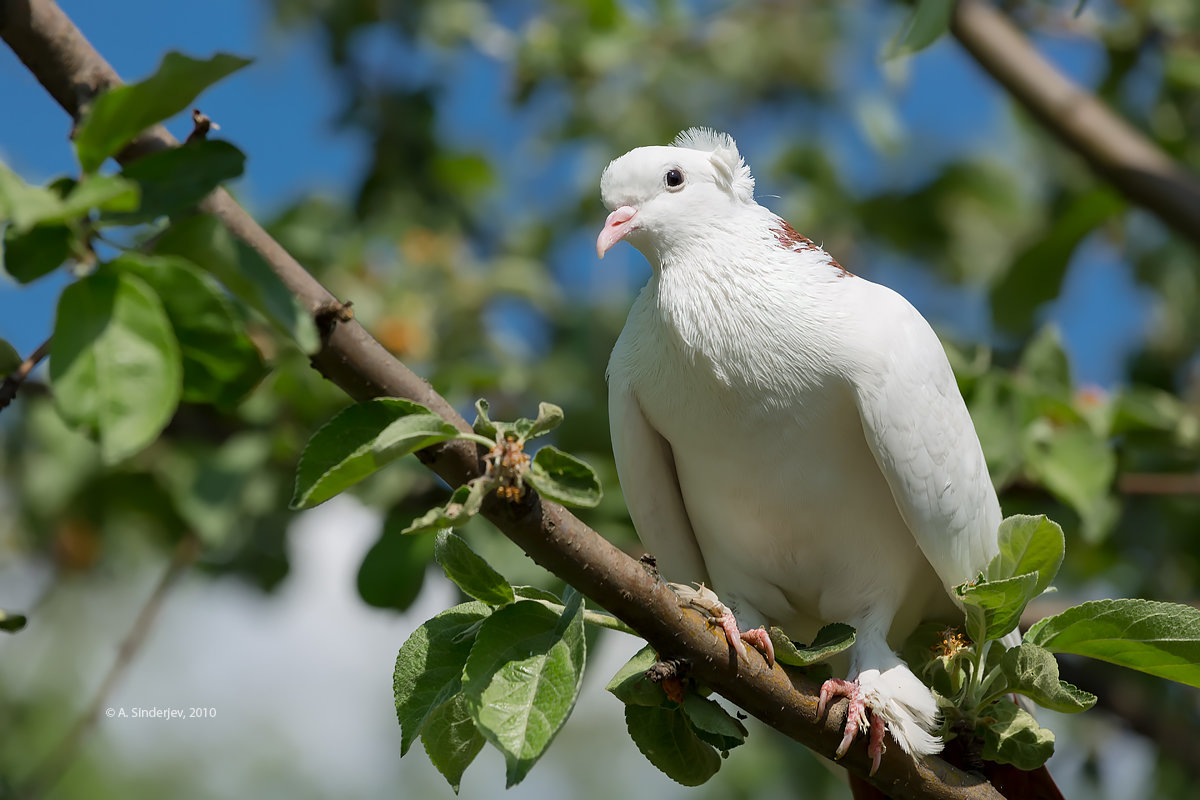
{"x": 659, "y": 196}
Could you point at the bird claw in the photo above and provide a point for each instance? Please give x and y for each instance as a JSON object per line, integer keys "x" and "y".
{"x": 705, "y": 600}
{"x": 758, "y": 637}
{"x": 856, "y": 719}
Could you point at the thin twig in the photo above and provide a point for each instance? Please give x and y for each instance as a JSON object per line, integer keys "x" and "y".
{"x": 201, "y": 125}
{"x": 12, "y": 382}
{"x": 55, "y": 765}
{"x": 1159, "y": 483}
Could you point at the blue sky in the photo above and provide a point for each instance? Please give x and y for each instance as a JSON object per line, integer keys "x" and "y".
{"x": 280, "y": 111}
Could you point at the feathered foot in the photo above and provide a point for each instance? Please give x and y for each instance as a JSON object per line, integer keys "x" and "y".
{"x": 856, "y": 719}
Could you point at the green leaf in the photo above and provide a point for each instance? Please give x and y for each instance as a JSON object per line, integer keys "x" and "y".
{"x": 536, "y": 593}
{"x": 630, "y": 684}
{"x": 203, "y": 241}
{"x": 1014, "y": 737}
{"x": 1044, "y": 365}
{"x": 1145, "y": 408}
{"x": 115, "y": 366}
{"x": 393, "y": 570}
{"x": 1028, "y": 544}
{"x": 11, "y": 622}
{"x": 929, "y": 22}
{"x": 483, "y": 425}
{"x": 668, "y": 741}
{"x": 1078, "y": 467}
{"x": 37, "y": 251}
{"x": 994, "y": 608}
{"x": 451, "y": 739}
{"x": 713, "y": 724}
{"x": 1161, "y": 639}
{"x": 430, "y": 664}
{"x": 470, "y": 571}
{"x": 102, "y": 192}
{"x": 1037, "y": 273}
{"x": 563, "y": 478}
{"x": 23, "y": 205}
{"x": 220, "y": 363}
{"x": 1032, "y": 671}
{"x": 997, "y": 421}
{"x": 207, "y": 484}
{"x": 830, "y": 640}
{"x": 117, "y": 116}
{"x": 549, "y": 417}
{"x": 523, "y": 677}
{"x": 10, "y": 359}
{"x": 361, "y": 439}
{"x": 175, "y": 180}
{"x": 464, "y": 503}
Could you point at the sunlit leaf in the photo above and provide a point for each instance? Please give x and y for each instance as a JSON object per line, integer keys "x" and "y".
{"x": 630, "y": 685}
{"x": 1032, "y": 671}
{"x": 470, "y": 571}
{"x": 523, "y": 677}
{"x": 118, "y": 115}
{"x": 564, "y": 478}
{"x": 994, "y": 608}
{"x": 220, "y": 363}
{"x": 1028, "y": 544}
{"x": 1162, "y": 639}
{"x": 115, "y": 366}
{"x": 929, "y": 22}
{"x": 360, "y": 440}
{"x": 429, "y": 667}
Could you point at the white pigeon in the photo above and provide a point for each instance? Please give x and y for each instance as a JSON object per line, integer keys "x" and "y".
{"x": 789, "y": 433}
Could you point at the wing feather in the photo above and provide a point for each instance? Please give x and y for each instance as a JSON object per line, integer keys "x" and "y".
{"x": 922, "y": 437}
{"x": 646, "y": 468}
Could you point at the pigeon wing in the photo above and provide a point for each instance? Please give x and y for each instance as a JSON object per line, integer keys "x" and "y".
{"x": 646, "y": 468}
{"x": 920, "y": 432}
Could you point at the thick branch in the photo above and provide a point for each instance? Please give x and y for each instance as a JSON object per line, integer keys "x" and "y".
{"x": 71, "y": 70}
{"x": 1115, "y": 149}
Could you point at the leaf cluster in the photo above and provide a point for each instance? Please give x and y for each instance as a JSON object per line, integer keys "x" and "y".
{"x": 974, "y": 677}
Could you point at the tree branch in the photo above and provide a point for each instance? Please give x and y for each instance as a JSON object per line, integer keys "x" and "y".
{"x": 72, "y": 71}
{"x": 12, "y": 381}
{"x": 1115, "y": 149}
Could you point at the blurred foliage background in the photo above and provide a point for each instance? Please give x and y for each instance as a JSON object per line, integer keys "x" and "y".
{"x": 466, "y": 249}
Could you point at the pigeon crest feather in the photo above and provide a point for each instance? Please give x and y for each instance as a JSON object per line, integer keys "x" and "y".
{"x": 732, "y": 170}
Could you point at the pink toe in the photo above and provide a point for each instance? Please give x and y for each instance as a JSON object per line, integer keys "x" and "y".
{"x": 834, "y": 688}
{"x": 761, "y": 641}
{"x": 875, "y": 747}
{"x": 854, "y": 710}
{"x": 733, "y": 635}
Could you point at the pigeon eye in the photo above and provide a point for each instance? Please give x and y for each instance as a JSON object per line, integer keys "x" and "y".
{"x": 674, "y": 178}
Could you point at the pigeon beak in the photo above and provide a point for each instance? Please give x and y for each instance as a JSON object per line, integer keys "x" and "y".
{"x": 619, "y": 223}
